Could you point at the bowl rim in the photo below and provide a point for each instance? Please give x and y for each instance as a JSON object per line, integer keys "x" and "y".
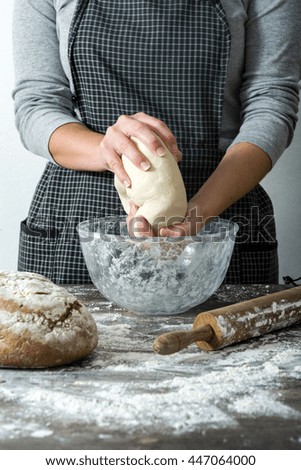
{"x": 202, "y": 236}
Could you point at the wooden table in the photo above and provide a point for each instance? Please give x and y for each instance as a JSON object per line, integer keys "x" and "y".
{"x": 124, "y": 396}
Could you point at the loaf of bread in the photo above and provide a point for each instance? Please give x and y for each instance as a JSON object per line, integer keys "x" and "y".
{"x": 41, "y": 324}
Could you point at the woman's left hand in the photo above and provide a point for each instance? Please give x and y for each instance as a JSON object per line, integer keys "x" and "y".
{"x": 192, "y": 224}
{"x": 240, "y": 170}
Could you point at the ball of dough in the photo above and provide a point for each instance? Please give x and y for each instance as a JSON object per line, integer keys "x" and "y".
{"x": 41, "y": 324}
{"x": 159, "y": 192}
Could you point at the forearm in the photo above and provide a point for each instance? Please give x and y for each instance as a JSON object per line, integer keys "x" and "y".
{"x": 76, "y": 147}
{"x": 241, "y": 169}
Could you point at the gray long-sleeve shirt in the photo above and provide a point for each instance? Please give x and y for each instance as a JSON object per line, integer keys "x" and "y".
{"x": 261, "y": 93}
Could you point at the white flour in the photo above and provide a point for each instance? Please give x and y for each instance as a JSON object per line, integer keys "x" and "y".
{"x": 125, "y": 388}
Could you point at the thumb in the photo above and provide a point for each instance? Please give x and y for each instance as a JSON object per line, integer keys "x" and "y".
{"x": 133, "y": 209}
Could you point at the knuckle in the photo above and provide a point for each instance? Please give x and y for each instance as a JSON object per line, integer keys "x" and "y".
{"x": 139, "y": 114}
{"x": 122, "y": 119}
{"x": 124, "y": 147}
{"x": 115, "y": 165}
{"x": 170, "y": 140}
{"x": 110, "y": 131}
{"x": 141, "y": 128}
{"x": 154, "y": 142}
{"x": 159, "y": 124}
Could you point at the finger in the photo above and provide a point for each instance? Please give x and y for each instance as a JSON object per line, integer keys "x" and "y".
{"x": 182, "y": 230}
{"x": 130, "y": 126}
{"x": 114, "y": 164}
{"x": 131, "y": 215}
{"x": 123, "y": 145}
{"x": 141, "y": 227}
{"x": 133, "y": 210}
{"x": 138, "y": 226}
{"x": 162, "y": 130}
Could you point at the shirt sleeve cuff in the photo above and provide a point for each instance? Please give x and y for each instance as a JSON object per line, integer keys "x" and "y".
{"x": 273, "y": 139}
{"x": 42, "y": 129}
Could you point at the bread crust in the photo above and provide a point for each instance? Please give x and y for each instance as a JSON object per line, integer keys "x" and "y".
{"x": 41, "y": 324}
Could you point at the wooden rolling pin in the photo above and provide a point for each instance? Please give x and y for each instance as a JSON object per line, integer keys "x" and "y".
{"x": 218, "y": 328}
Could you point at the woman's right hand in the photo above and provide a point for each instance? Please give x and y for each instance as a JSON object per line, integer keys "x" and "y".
{"x": 76, "y": 147}
{"x": 117, "y": 142}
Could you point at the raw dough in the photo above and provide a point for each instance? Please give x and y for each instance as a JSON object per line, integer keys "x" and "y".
{"x": 159, "y": 192}
{"x": 41, "y": 324}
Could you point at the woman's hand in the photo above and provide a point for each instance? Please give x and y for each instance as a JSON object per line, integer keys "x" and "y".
{"x": 138, "y": 226}
{"x": 194, "y": 221}
{"x": 191, "y": 225}
{"x": 240, "y": 170}
{"x": 117, "y": 142}
{"x": 77, "y": 147}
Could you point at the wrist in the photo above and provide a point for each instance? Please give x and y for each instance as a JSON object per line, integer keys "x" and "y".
{"x": 202, "y": 208}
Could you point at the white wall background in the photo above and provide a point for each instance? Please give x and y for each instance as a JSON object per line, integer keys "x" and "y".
{"x": 20, "y": 172}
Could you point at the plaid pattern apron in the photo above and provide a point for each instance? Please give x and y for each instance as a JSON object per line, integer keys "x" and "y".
{"x": 167, "y": 58}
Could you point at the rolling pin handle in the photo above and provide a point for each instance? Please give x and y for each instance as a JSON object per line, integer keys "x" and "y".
{"x": 170, "y": 343}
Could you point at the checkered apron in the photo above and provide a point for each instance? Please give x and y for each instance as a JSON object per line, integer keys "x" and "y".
{"x": 167, "y": 58}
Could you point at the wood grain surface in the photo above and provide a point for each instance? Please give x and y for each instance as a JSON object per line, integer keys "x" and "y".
{"x": 124, "y": 396}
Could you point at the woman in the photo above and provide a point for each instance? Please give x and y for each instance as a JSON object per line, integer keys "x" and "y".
{"x": 217, "y": 80}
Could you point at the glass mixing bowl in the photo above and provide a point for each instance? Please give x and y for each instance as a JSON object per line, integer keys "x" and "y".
{"x": 156, "y": 275}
